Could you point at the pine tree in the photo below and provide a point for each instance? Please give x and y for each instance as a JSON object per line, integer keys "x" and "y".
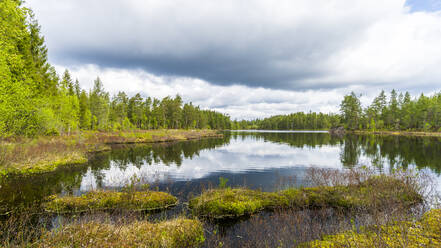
{"x": 350, "y": 109}
{"x": 85, "y": 116}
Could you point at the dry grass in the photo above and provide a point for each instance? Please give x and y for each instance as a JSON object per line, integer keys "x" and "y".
{"x": 294, "y": 227}
{"x": 283, "y": 227}
{"x": 173, "y": 233}
{"x": 24, "y": 155}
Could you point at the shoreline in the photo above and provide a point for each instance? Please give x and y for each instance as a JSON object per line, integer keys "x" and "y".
{"x": 396, "y": 133}
{"x": 46, "y": 154}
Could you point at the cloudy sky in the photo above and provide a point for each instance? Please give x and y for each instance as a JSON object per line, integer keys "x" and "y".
{"x": 248, "y": 58}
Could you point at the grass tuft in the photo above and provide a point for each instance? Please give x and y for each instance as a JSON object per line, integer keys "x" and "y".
{"x": 174, "y": 233}
{"x": 102, "y": 200}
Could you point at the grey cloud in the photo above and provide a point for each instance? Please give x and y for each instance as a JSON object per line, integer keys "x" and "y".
{"x": 288, "y": 55}
{"x": 233, "y": 42}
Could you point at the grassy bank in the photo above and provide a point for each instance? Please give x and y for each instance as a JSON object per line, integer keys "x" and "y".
{"x": 398, "y": 133}
{"x": 423, "y": 233}
{"x": 173, "y": 233}
{"x": 376, "y": 192}
{"x": 43, "y": 154}
{"x": 101, "y": 200}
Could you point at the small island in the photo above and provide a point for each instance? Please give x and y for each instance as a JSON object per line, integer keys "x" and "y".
{"x": 108, "y": 200}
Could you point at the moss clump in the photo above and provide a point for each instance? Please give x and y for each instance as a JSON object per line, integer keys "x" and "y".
{"x": 229, "y": 202}
{"x": 423, "y": 233}
{"x": 174, "y": 233}
{"x": 101, "y": 200}
{"x": 375, "y": 193}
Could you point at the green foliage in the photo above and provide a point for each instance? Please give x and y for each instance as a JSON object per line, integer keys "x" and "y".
{"x": 223, "y": 203}
{"x": 295, "y": 121}
{"x": 35, "y": 101}
{"x": 400, "y": 112}
{"x": 350, "y": 109}
{"x": 223, "y": 182}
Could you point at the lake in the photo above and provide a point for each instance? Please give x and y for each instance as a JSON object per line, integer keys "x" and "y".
{"x": 266, "y": 160}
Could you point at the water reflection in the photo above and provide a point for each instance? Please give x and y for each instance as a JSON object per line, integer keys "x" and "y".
{"x": 255, "y": 159}
{"x": 240, "y": 155}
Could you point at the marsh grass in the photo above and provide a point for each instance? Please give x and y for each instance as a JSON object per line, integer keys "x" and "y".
{"x": 107, "y": 200}
{"x": 40, "y": 154}
{"x": 364, "y": 193}
{"x": 391, "y": 221}
{"x": 425, "y": 232}
{"x": 126, "y": 229}
{"x": 43, "y": 154}
{"x": 178, "y": 232}
{"x": 280, "y": 227}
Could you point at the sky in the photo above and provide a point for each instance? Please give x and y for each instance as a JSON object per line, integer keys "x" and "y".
{"x": 247, "y": 58}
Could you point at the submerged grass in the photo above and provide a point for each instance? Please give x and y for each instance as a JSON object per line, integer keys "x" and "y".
{"x": 423, "y": 233}
{"x": 376, "y": 192}
{"x": 179, "y": 232}
{"x": 102, "y": 200}
{"x": 44, "y": 154}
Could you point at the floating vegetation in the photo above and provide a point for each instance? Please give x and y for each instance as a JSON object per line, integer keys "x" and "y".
{"x": 377, "y": 192}
{"x": 423, "y": 233}
{"x": 173, "y": 233}
{"x": 102, "y": 200}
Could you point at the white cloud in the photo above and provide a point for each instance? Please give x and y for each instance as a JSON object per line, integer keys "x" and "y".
{"x": 237, "y": 100}
{"x": 286, "y": 56}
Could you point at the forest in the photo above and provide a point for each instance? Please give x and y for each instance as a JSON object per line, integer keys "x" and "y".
{"x": 34, "y": 100}
{"x": 294, "y": 121}
{"x": 396, "y": 112}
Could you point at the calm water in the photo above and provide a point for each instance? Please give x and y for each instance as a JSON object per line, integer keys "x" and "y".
{"x": 264, "y": 160}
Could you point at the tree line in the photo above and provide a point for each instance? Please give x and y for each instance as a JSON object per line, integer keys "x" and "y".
{"x": 97, "y": 110}
{"x": 294, "y": 121}
{"x": 34, "y": 100}
{"x": 396, "y": 112}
